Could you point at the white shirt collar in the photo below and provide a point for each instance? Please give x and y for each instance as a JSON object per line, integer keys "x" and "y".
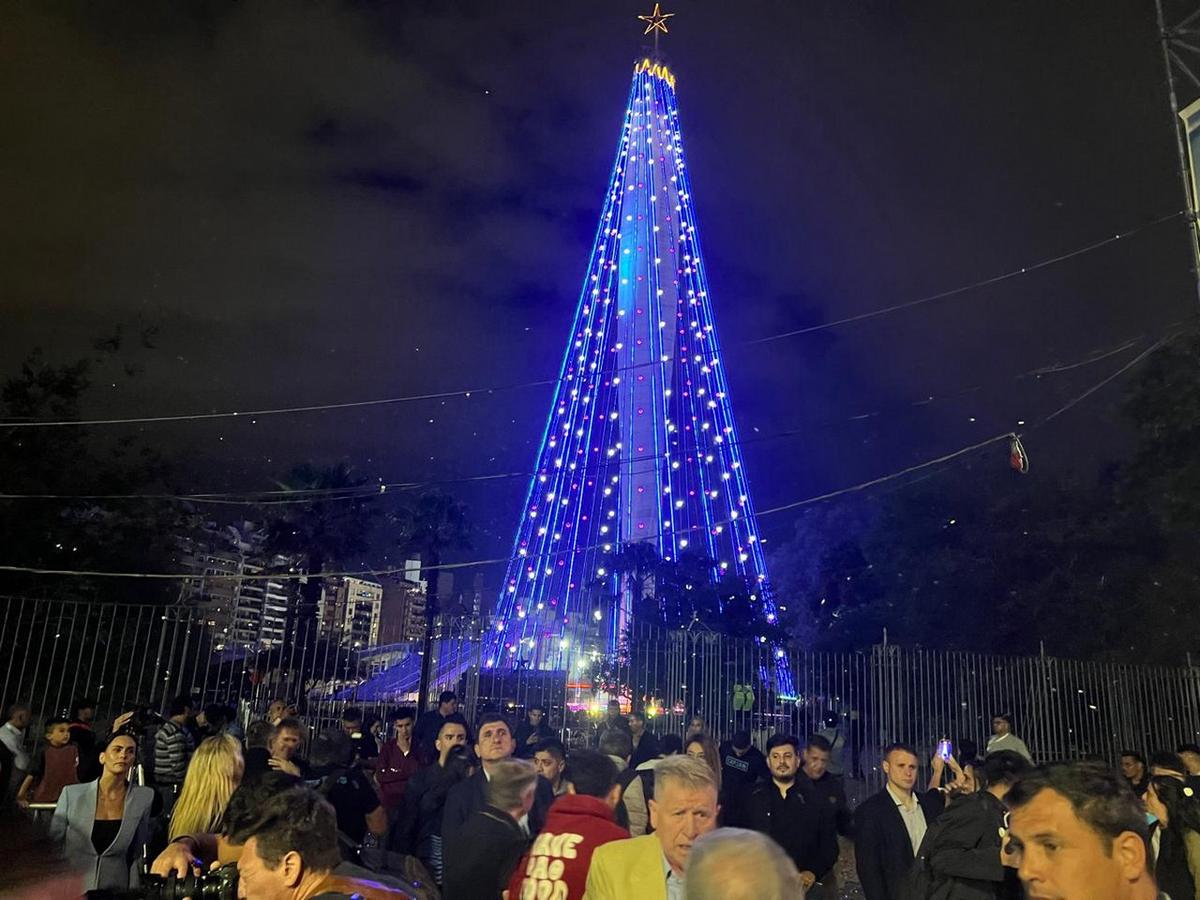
{"x": 905, "y": 804}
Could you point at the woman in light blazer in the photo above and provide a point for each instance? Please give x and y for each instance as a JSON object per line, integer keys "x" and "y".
{"x": 103, "y": 825}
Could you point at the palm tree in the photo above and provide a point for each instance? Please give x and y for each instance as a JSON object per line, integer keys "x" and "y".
{"x": 431, "y": 526}
{"x": 636, "y": 563}
{"x": 333, "y": 523}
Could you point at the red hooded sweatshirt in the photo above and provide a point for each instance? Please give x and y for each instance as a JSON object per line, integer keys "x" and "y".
{"x": 557, "y": 863}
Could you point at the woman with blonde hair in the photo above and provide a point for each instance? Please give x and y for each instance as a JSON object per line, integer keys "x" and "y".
{"x": 212, "y": 776}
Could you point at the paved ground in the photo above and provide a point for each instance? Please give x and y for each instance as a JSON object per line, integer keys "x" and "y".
{"x": 846, "y": 878}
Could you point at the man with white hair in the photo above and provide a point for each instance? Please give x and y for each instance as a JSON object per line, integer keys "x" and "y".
{"x": 739, "y": 864}
{"x": 651, "y": 867}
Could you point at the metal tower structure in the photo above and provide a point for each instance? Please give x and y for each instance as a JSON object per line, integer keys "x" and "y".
{"x": 1181, "y": 55}
{"x": 640, "y": 444}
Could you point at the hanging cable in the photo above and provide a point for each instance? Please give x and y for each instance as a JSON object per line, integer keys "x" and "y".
{"x": 861, "y": 486}
{"x": 467, "y": 392}
{"x": 368, "y": 491}
{"x": 987, "y": 282}
{"x": 358, "y": 573}
{"x": 808, "y": 501}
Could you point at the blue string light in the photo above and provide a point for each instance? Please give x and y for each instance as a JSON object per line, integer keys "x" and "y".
{"x": 640, "y": 443}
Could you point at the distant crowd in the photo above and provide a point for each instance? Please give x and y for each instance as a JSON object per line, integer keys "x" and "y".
{"x": 430, "y": 805}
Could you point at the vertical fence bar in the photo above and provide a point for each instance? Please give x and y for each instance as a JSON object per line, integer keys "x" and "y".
{"x": 4, "y": 642}
{"x": 1064, "y": 708}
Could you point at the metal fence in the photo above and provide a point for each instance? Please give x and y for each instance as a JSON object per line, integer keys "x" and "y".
{"x": 127, "y": 655}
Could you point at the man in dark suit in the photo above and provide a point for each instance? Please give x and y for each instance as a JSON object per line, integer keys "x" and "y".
{"x": 481, "y": 856}
{"x": 494, "y": 743}
{"x": 889, "y": 826}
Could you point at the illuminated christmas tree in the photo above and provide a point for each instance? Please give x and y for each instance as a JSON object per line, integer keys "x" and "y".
{"x": 641, "y": 443}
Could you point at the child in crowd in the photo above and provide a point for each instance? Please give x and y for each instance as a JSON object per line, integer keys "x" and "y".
{"x": 55, "y": 765}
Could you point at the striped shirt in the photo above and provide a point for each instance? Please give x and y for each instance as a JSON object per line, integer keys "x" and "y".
{"x": 173, "y": 748}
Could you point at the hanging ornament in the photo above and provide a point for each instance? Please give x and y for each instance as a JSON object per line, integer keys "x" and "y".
{"x": 1017, "y": 457}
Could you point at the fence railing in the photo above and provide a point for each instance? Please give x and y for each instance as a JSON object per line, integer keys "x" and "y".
{"x": 126, "y": 655}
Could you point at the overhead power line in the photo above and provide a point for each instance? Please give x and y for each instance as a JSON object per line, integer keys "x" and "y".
{"x": 359, "y": 573}
{"x": 467, "y": 392}
{"x": 971, "y": 448}
{"x": 975, "y": 285}
{"x": 795, "y": 504}
{"x": 1161, "y": 342}
{"x": 369, "y": 490}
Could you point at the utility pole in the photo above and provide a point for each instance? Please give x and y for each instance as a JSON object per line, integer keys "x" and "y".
{"x": 431, "y": 611}
{"x": 1173, "y": 40}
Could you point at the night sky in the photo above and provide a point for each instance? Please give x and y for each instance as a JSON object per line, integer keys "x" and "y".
{"x": 321, "y": 202}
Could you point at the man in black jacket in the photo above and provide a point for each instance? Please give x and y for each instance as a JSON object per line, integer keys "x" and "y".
{"x": 333, "y": 775}
{"x": 429, "y": 724}
{"x": 819, "y": 784}
{"x": 418, "y": 831}
{"x": 742, "y": 767}
{"x": 645, "y": 744}
{"x": 778, "y": 808}
{"x": 481, "y": 856}
{"x": 532, "y": 731}
{"x": 889, "y": 826}
{"x": 493, "y": 744}
{"x": 960, "y": 858}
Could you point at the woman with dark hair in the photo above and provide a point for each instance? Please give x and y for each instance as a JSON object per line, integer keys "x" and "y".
{"x": 104, "y": 825}
{"x": 1004, "y": 737}
{"x": 702, "y": 747}
{"x": 1176, "y": 837}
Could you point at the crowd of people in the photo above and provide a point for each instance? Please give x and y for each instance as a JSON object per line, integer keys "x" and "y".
{"x": 431, "y": 805}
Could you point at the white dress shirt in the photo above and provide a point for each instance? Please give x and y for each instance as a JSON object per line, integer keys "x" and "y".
{"x": 913, "y": 816}
{"x": 674, "y": 882}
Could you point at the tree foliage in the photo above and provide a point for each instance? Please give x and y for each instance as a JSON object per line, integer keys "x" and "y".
{"x": 432, "y": 525}
{"x": 684, "y": 592}
{"x": 59, "y": 532}
{"x": 981, "y": 558}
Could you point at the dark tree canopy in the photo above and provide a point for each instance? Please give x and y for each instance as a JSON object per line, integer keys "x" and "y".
{"x": 980, "y": 558}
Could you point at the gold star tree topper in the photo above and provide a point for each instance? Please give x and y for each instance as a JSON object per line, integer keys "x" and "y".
{"x": 656, "y": 21}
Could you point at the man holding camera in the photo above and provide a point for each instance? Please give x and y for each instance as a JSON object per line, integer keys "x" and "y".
{"x": 284, "y": 845}
{"x": 293, "y": 851}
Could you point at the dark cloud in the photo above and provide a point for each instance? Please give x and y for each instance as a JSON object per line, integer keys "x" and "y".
{"x": 322, "y": 201}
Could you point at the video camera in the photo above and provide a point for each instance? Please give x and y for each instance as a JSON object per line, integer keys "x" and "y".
{"x": 217, "y": 884}
{"x": 143, "y": 720}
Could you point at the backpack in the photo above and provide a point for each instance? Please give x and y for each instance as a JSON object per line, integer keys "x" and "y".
{"x": 625, "y": 779}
